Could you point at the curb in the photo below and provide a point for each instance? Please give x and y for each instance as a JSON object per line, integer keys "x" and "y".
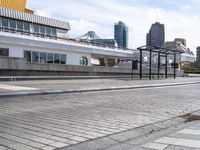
{"x": 34, "y": 93}
{"x": 133, "y": 137}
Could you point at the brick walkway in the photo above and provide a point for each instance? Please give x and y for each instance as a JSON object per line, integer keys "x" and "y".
{"x": 55, "y": 121}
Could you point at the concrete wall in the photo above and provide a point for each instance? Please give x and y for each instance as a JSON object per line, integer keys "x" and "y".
{"x": 17, "y": 66}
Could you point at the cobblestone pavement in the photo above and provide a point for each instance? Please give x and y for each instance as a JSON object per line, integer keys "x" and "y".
{"x": 53, "y": 85}
{"x": 185, "y": 139}
{"x": 55, "y": 121}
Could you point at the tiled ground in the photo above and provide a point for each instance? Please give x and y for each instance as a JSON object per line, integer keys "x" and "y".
{"x": 185, "y": 139}
{"x": 55, "y": 121}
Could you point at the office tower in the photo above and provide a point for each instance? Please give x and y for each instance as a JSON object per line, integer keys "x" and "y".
{"x": 121, "y": 34}
{"x": 156, "y": 35}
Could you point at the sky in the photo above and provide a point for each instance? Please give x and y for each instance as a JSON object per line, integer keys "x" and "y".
{"x": 180, "y": 17}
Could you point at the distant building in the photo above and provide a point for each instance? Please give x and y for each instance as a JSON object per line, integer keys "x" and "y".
{"x": 198, "y": 54}
{"x": 183, "y": 41}
{"x": 92, "y": 37}
{"x": 121, "y": 34}
{"x": 156, "y": 35}
{"x": 19, "y": 5}
{"x": 186, "y": 57}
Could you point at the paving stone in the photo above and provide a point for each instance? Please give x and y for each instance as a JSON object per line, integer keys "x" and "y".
{"x": 155, "y": 146}
{"x": 172, "y": 147}
{"x": 75, "y": 118}
{"x": 179, "y": 142}
{"x": 59, "y": 144}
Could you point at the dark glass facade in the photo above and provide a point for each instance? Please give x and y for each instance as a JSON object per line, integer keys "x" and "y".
{"x": 198, "y": 54}
{"x": 121, "y": 34}
{"x": 156, "y": 35}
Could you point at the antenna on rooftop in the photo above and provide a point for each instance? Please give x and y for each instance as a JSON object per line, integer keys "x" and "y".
{"x": 157, "y": 15}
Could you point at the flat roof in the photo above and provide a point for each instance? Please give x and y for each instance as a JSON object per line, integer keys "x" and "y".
{"x": 14, "y": 14}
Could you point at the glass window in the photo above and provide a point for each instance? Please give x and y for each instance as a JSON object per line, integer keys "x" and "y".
{"x": 13, "y": 24}
{"x": 42, "y": 30}
{"x": 56, "y": 58}
{"x": 36, "y": 28}
{"x": 5, "y": 22}
{"x": 48, "y": 31}
{"x": 35, "y": 56}
{"x": 84, "y": 61}
{"x": 43, "y": 58}
{"x": 4, "y": 52}
{"x": 50, "y": 58}
{"x": 26, "y": 27}
{"x": 63, "y": 59}
{"x": 53, "y": 31}
{"x": 27, "y": 56}
{"x": 20, "y": 25}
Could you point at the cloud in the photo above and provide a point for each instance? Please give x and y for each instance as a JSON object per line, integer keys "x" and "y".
{"x": 84, "y": 15}
{"x": 186, "y": 7}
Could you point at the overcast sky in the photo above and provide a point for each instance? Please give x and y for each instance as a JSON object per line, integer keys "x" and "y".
{"x": 181, "y": 17}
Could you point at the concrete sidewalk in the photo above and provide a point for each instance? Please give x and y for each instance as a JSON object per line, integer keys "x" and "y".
{"x": 20, "y": 88}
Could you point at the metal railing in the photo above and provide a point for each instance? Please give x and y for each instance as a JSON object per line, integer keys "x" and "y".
{"x": 82, "y": 42}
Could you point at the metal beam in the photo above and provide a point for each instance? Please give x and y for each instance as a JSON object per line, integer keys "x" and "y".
{"x": 158, "y": 65}
{"x": 140, "y": 64}
{"x": 166, "y": 67}
{"x": 174, "y": 65}
{"x": 150, "y": 62}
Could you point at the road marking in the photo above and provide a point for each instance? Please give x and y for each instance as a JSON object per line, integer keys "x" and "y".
{"x": 155, "y": 146}
{"x": 179, "y": 142}
{"x": 16, "y": 88}
{"x": 190, "y": 131}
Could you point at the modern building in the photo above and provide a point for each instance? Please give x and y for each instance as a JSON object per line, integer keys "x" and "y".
{"x": 186, "y": 57}
{"x": 156, "y": 35}
{"x": 121, "y": 34}
{"x": 198, "y": 54}
{"x": 41, "y": 40}
{"x": 92, "y": 37}
{"x": 19, "y": 5}
{"x": 181, "y": 40}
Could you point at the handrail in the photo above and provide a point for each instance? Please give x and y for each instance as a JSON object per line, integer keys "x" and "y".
{"x": 28, "y": 33}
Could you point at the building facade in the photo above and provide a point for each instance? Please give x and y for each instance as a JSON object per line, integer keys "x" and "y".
{"x": 121, "y": 34}
{"x": 156, "y": 35}
{"x": 181, "y": 40}
{"x": 41, "y": 40}
{"x": 198, "y": 54}
{"x": 19, "y": 5}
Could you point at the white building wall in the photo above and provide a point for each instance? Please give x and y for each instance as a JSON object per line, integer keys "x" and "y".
{"x": 74, "y": 58}
{"x": 71, "y": 59}
{"x": 14, "y": 50}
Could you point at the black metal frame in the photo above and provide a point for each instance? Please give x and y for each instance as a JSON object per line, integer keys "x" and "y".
{"x": 159, "y": 51}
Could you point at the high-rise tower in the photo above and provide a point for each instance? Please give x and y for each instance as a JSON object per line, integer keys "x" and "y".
{"x": 156, "y": 35}
{"x": 121, "y": 34}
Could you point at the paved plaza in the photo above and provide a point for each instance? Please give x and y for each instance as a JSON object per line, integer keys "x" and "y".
{"x": 56, "y": 121}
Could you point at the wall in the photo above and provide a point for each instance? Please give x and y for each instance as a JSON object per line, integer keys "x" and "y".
{"x": 73, "y": 58}
{"x": 18, "y": 67}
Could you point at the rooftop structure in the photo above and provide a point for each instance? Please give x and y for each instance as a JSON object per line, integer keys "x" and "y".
{"x": 92, "y": 37}
{"x": 19, "y": 5}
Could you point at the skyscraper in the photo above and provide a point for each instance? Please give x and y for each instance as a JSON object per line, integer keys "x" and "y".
{"x": 198, "y": 54}
{"x": 121, "y": 34}
{"x": 156, "y": 35}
